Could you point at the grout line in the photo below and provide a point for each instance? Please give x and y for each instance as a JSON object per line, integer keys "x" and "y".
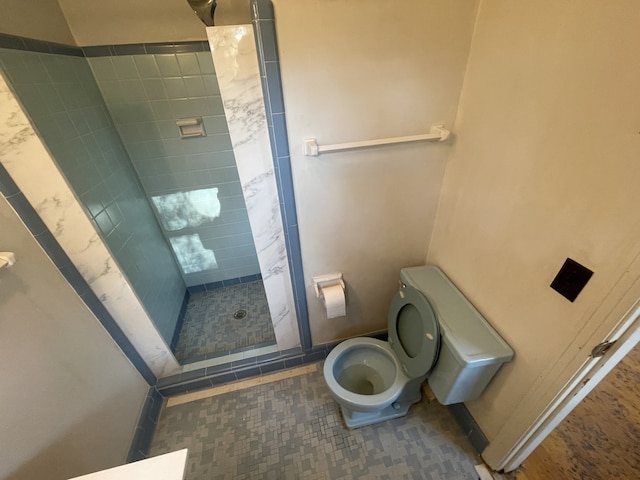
{"x": 241, "y": 385}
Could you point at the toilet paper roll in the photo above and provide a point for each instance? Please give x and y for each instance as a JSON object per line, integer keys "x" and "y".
{"x": 334, "y": 301}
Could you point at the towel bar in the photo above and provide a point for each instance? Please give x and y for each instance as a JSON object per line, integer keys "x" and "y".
{"x": 312, "y": 149}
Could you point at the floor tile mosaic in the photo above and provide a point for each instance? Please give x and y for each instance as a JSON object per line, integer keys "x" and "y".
{"x": 292, "y": 429}
{"x": 210, "y": 326}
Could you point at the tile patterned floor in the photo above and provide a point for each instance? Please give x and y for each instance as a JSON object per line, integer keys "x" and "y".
{"x": 209, "y": 326}
{"x": 292, "y": 429}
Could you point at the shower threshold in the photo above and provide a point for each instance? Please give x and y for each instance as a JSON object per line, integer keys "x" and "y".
{"x": 240, "y": 356}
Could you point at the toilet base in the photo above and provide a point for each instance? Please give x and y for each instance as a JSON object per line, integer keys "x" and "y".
{"x": 412, "y": 394}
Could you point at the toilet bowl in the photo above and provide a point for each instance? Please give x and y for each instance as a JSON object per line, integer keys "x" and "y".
{"x": 434, "y": 333}
{"x": 365, "y": 374}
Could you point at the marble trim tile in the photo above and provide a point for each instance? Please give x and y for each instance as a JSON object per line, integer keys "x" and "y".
{"x": 236, "y": 63}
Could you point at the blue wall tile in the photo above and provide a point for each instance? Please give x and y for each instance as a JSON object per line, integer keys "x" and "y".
{"x": 76, "y": 126}
{"x": 262, "y": 9}
{"x": 180, "y": 85}
{"x": 267, "y": 31}
{"x": 248, "y": 373}
{"x": 272, "y": 366}
{"x": 274, "y": 87}
{"x": 280, "y": 132}
{"x": 28, "y": 215}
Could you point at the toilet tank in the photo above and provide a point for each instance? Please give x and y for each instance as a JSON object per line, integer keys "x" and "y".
{"x": 471, "y": 351}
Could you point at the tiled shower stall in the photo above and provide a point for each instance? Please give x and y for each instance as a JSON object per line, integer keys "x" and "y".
{"x": 98, "y": 112}
{"x": 97, "y": 131}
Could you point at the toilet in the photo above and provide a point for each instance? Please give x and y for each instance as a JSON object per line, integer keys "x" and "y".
{"x": 435, "y": 334}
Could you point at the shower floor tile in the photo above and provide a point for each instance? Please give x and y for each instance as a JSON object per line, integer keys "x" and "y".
{"x": 209, "y": 325}
{"x": 292, "y": 429}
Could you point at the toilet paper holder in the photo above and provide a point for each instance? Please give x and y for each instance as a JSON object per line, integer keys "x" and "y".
{"x": 322, "y": 281}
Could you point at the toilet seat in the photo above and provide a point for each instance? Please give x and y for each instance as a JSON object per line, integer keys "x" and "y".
{"x": 414, "y": 332}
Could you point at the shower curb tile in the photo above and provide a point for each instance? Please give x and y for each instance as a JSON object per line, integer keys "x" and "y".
{"x": 291, "y": 351}
{"x": 315, "y": 357}
{"x": 223, "y": 378}
{"x": 192, "y": 375}
{"x": 248, "y": 373}
{"x": 267, "y": 356}
{"x": 168, "y": 381}
{"x": 199, "y": 385}
{"x": 272, "y": 367}
{"x": 230, "y": 372}
{"x": 293, "y": 362}
{"x": 218, "y": 369}
{"x": 243, "y": 362}
{"x": 174, "y": 390}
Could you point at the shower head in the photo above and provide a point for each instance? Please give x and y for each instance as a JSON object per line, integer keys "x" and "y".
{"x": 204, "y": 10}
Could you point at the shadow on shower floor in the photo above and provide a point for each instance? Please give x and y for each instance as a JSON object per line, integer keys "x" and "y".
{"x": 224, "y": 320}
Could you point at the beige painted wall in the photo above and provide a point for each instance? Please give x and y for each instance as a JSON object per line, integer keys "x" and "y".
{"x": 545, "y": 167}
{"x": 357, "y": 71}
{"x": 70, "y": 399}
{"x": 115, "y": 22}
{"x": 39, "y": 19}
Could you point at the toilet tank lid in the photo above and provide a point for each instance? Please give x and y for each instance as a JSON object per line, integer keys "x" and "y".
{"x": 469, "y": 335}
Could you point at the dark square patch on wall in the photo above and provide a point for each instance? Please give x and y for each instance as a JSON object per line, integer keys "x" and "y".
{"x": 571, "y": 279}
